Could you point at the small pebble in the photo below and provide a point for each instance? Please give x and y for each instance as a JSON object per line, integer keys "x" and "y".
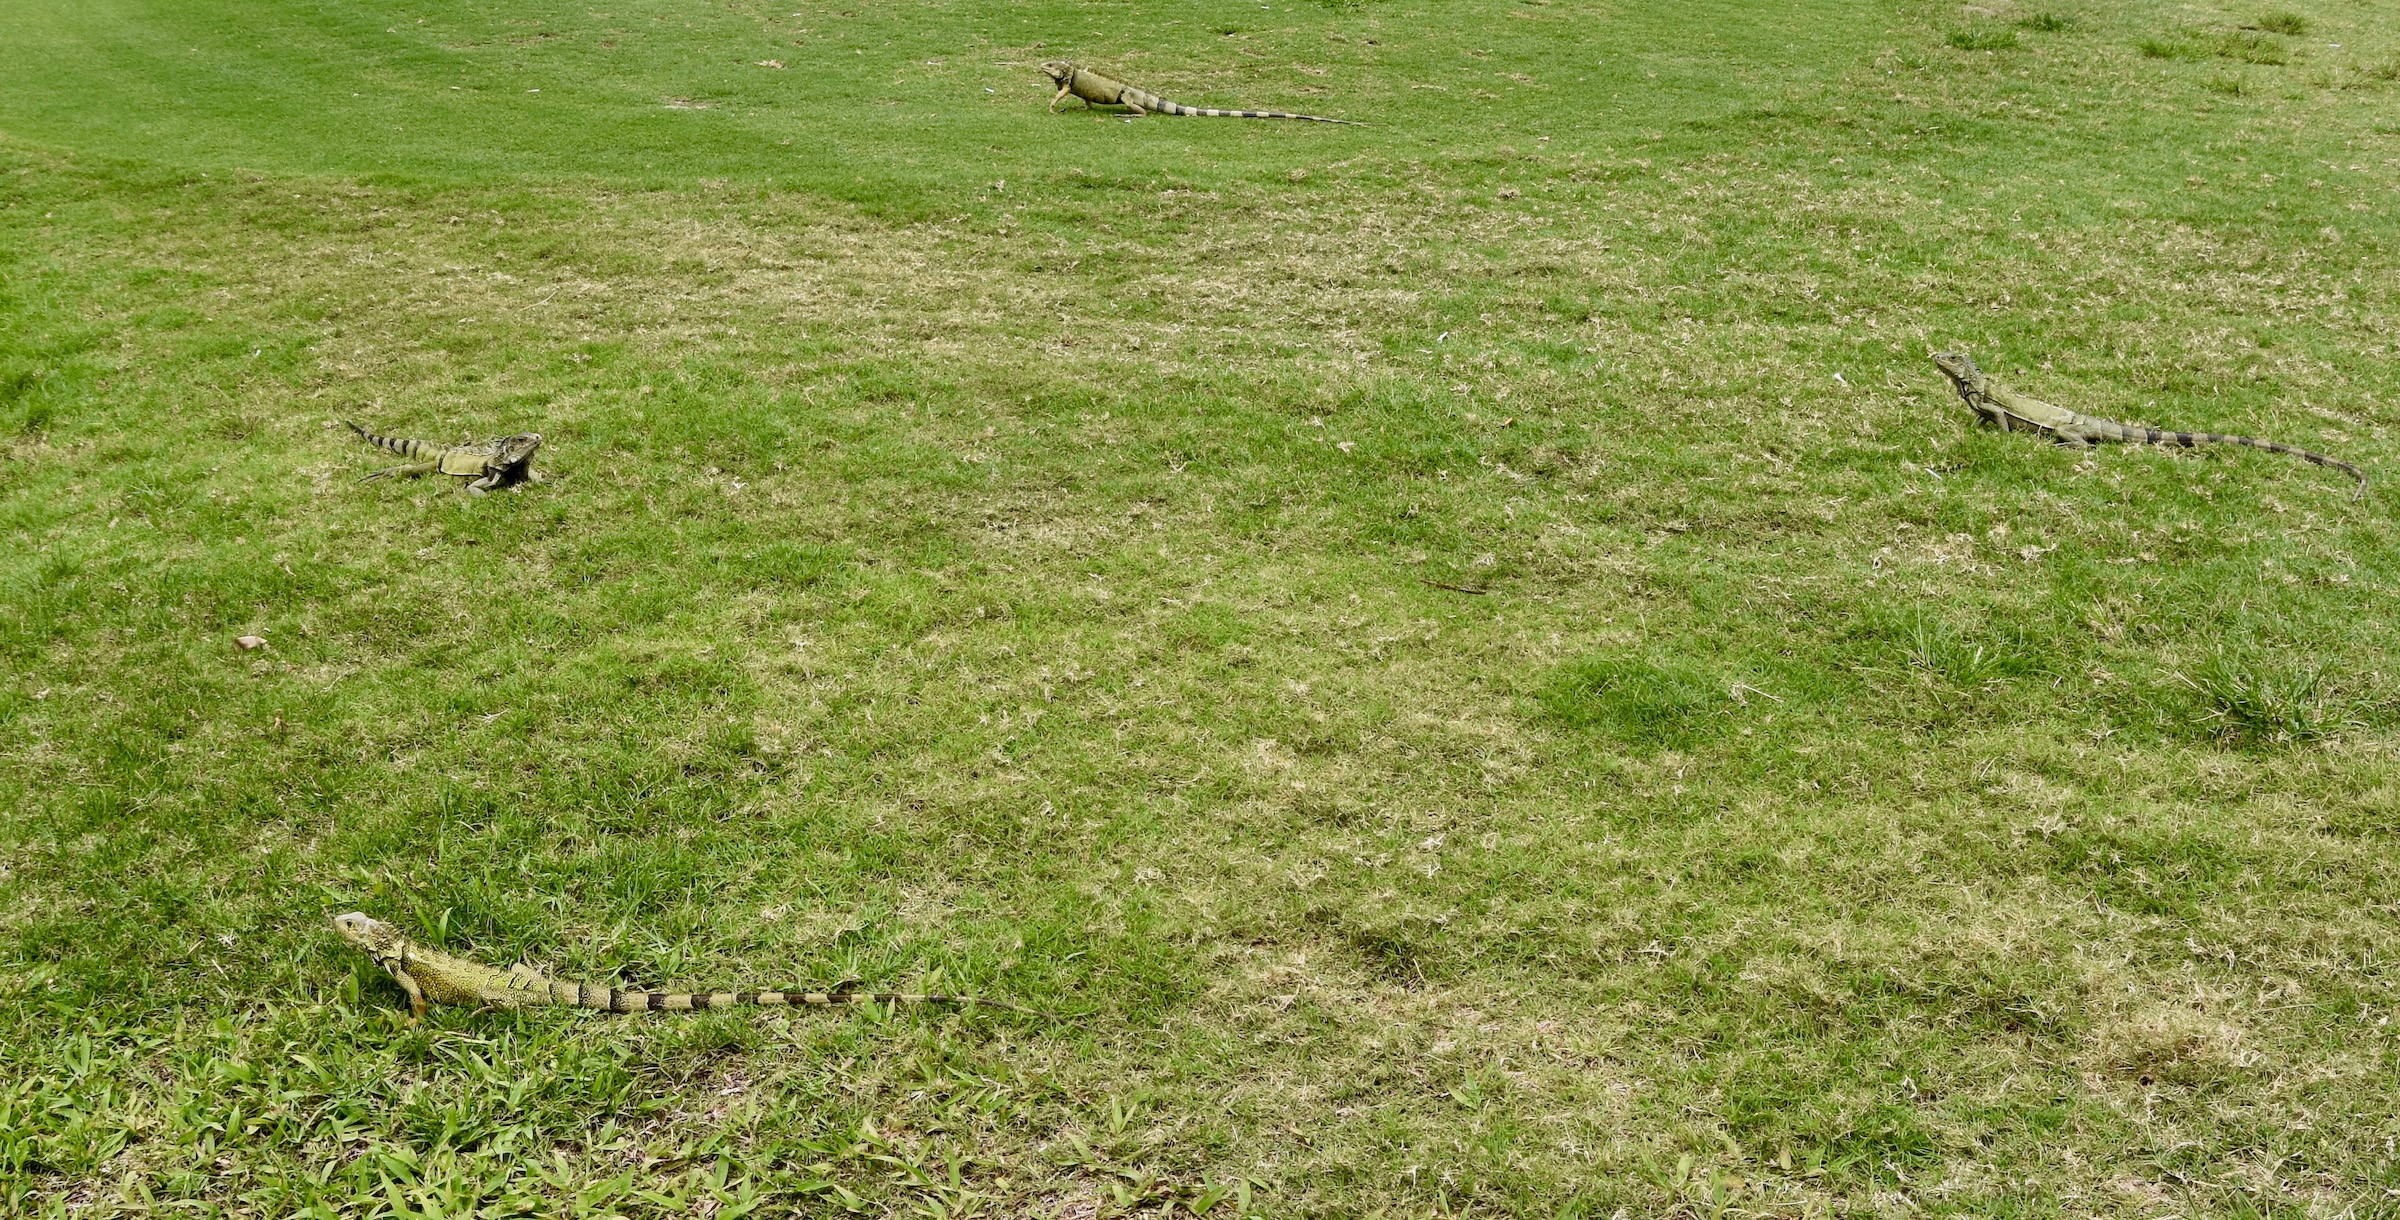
{"x": 249, "y": 642}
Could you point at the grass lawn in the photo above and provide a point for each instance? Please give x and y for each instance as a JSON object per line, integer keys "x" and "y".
{"x": 1474, "y": 657}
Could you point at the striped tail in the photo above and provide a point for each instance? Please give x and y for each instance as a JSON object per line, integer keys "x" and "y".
{"x": 1206, "y": 113}
{"x": 2187, "y": 440}
{"x": 1143, "y": 99}
{"x": 1202, "y": 112}
{"x": 606, "y": 999}
{"x": 405, "y": 448}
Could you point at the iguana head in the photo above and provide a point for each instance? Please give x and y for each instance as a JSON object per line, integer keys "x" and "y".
{"x": 1960, "y": 367}
{"x": 368, "y": 935}
{"x": 515, "y": 450}
{"x": 1058, "y": 70}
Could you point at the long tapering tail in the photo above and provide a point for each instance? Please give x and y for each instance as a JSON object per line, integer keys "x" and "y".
{"x": 401, "y": 446}
{"x": 1203, "y": 112}
{"x": 607, "y": 999}
{"x": 2161, "y": 436}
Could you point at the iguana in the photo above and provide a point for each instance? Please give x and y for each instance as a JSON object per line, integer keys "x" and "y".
{"x": 1098, "y": 90}
{"x": 1999, "y": 405}
{"x": 432, "y": 976}
{"x": 503, "y": 463}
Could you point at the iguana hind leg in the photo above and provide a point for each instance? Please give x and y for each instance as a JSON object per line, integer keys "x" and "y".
{"x": 512, "y": 991}
{"x": 2076, "y": 438}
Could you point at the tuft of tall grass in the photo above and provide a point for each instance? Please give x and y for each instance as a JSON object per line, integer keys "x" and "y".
{"x": 2246, "y": 46}
{"x": 1639, "y": 701}
{"x": 1983, "y": 39}
{"x": 2251, "y": 699}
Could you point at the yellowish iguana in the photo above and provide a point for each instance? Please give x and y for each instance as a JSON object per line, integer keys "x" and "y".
{"x": 503, "y": 463}
{"x": 2010, "y": 411}
{"x": 1098, "y": 90}
{"x": 432, "y": 976}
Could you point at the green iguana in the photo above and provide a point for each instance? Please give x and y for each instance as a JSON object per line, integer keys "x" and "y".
{"x": 503, "y": 463}
{"x": 1996, "y": 404}
{"x": 430, "y": 975}
{"x": 1098, "y": 90}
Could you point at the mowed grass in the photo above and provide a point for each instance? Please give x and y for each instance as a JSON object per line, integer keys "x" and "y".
{"x": 1030, "y": 555}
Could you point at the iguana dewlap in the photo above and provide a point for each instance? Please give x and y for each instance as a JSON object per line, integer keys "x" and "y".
{"x": 1097, "y": 89}
{"x": 1996, "y": 404}
{"x": 503, "y": 463}
{"x": 430, "y": 976}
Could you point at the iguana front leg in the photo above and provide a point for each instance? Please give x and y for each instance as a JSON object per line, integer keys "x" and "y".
{"x": 2002, "y": 418}
{"x": 496, "y": 477}
{"x": 416, "y": 994}
{"x": 1062, "y": 96}
{"x": 1987, "y": 412}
